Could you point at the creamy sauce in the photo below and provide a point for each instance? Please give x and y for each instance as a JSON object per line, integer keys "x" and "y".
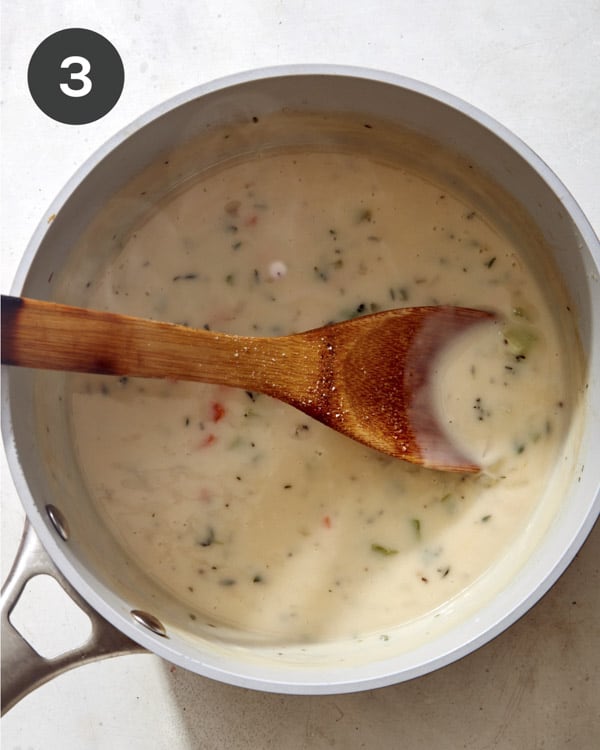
{"x": 256, "y": 517}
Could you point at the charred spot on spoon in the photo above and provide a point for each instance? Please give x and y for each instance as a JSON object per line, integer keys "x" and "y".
{"x": 102, "y": 365}
{"x": 11, "y": 307}
{"x": 11, "y": 304}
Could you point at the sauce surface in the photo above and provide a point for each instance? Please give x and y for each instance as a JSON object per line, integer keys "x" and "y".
{"x": 251, "y": 514}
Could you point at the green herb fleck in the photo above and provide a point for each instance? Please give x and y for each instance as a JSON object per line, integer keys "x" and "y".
{"x": 480, "y": 411}
{"x": 416, "y": 524}
{"x": 489, "y": 263}
{"x": 399, "y": 293}
{"x": 519, "y": 339}
{"x": 382, "y": 550}
{"x": 485, "y": 519}
{"x": 232, "y": 207}
{"x": 208, "y": 538}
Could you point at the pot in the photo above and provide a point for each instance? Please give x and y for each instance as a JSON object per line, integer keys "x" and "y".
{"x": 126, "y": 612}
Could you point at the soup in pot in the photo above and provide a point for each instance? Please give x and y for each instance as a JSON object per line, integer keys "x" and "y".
{"x": 254, "y": 516}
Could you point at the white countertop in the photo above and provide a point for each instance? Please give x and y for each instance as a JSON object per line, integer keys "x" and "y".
{"x": 532, "y": 65}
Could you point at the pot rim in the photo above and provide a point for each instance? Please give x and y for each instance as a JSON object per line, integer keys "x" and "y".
{"x": 515, "y": 599}
{"x": 311, "y": 69}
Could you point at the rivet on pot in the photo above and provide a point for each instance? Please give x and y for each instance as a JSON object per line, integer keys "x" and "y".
{"x": 58, "y": 521}
{"x": 149, "y": 621}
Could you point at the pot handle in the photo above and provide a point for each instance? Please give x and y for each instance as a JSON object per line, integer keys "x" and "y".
{"x": 23, "y": 669}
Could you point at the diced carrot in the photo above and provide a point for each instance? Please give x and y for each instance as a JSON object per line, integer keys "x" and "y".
{"x": 218, "y": 411}
{"x": 208, "y": 440}
{"x": 327, "y": 522}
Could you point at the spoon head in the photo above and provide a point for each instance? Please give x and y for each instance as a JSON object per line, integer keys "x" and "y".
{"x": 380, "y": 371}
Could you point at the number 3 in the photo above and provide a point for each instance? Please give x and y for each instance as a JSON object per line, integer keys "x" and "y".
{"x": 78, "y": 75}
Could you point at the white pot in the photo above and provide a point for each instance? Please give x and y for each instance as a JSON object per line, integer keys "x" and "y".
{"x": 91, "y": 562}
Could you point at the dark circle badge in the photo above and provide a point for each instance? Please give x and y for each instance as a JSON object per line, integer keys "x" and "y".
{"x": 75, "y": 76}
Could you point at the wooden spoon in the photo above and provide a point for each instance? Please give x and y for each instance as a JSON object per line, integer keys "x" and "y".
{"x": 368, "y": 378}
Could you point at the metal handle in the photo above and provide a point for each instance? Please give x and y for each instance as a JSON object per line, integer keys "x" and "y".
{"x": 23, "y": 669}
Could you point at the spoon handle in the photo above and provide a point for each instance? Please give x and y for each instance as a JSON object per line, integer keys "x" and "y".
{"x": 53, "y": 336}
{"x": 367, "y": 378}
